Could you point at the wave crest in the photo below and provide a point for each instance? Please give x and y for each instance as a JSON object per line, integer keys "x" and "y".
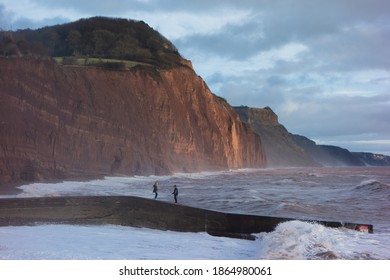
{"x": 373, "y": 185}
{"x": 311, "y": 241}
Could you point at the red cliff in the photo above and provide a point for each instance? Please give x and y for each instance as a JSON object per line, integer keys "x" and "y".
{"x": 62, "y": 122}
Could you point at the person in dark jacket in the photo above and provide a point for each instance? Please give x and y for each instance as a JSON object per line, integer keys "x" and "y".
{"x": 175, "y": 193}
{"x": 155, "y": 190}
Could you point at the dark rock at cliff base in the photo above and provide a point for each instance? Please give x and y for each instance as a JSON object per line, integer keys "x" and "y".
{"x": 64, "y": 122}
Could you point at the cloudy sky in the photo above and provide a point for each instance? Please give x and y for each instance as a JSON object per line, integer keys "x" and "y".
{"x": 322, "y": 66}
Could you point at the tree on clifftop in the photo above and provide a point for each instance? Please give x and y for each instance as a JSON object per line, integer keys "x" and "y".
{"x": 99, "y": 37}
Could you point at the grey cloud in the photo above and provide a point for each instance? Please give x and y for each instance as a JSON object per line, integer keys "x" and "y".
{"x": 7, "y": 21}
{"x": 97, "y": 7}
{"x": 120, "y": 7}
{"x": 3, "y": 18}
{"x": 358, "y": 48}
{"x": 253, "y": 90}
{"x": 232, "y": 42}
{"x": 336, "y": 34}
{"x": 276, "y": 80}
{"x": 381, "y": 80}
{"x": 336, "y": 116}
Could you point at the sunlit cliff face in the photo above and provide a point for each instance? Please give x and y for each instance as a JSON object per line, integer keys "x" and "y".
{"x": 66, "y": 121}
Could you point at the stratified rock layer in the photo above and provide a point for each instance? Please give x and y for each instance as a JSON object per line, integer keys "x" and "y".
{"x": 60, "y": 122}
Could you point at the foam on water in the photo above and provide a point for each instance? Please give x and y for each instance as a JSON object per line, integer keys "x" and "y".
{"x": 108, "y": 242}
{"x": 290, "y": 240}
{"x": 307, "y": 241}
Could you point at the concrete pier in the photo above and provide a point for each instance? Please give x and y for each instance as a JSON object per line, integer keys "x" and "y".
{"x": 141, "y": 212}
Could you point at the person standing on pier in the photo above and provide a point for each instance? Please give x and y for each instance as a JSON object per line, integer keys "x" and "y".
{"x": 175, "y": 193}
{"x": 155, "y": 190}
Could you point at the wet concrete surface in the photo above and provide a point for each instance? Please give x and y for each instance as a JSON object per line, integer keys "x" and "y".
{"x": 138, "y": 212}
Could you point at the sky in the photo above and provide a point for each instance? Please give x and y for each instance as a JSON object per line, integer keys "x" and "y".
{"x": 322, "y": 66}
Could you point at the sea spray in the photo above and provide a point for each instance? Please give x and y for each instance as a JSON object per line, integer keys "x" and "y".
{"x": 311, "y": 241}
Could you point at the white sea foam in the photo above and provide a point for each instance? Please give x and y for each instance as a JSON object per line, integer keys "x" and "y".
{"x": 110, "y": 242}
{"x": 290, "y": 240}
{"x": 302, "y": 240}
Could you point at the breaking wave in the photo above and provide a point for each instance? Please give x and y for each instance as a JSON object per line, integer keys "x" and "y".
{"x": 310, "y": 241}
{"x": 373, "y": 186}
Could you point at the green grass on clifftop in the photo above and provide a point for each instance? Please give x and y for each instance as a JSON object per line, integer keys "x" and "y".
{"x": 119, "y": 64}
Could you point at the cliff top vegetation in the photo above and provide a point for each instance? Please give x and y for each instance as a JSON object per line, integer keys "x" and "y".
{"x": 97, "y": 37}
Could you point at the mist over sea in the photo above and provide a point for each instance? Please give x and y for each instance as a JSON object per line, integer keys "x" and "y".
{"x": 347, "y": 194}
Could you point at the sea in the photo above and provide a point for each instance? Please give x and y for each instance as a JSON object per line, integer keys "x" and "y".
{"x": 343, "y": 194}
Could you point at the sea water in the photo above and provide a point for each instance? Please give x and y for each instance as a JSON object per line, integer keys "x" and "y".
{"x": 348, "y": 194}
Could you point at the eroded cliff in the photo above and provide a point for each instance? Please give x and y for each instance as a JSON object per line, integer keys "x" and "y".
{"x": 61, "y": 122}
{"x": 289, "y": 150}
{"x": 280, "y": 148}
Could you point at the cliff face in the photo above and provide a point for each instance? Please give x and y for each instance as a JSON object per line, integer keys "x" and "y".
{"x": 335, "y": 156}
{"x": 371, "y": 159}
{"x": 327, "y": 155}
{"x": 280, "y": 148}
{"x": 60, "y": 122}
{"x": 285, "y": 149}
